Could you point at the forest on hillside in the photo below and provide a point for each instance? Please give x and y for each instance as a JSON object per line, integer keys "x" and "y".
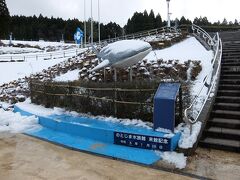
{"x": 53, "y": 29}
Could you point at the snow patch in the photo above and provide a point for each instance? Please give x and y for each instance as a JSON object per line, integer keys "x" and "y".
{"x": 15, "y": 70}
{"x": 15, "y": 123}
{"x": 42, "y": 111}
{"x": 69, "y": 76}
{"x": 177, "y": 159}
{"x": 188, "y": 49}
{"x": 187, "y": 140}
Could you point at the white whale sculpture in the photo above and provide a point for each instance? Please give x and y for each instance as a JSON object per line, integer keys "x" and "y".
{"x": 122, "y": 54}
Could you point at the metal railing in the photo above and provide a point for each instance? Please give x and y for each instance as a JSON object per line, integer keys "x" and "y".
{"x": 38, "y": 56}
{"x": 210, "y": 82}
{"x": 141, "y": 34}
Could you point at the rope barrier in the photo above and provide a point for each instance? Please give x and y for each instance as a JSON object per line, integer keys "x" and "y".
{"x": 94, "y": 89}
{"x": 94, "y": 97}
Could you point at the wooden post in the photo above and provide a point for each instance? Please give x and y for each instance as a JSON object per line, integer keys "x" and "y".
{"x": 104, "y": 74}
{"x": 180, "y": 105}
{"x": 115, "y": 75}
{"x": 115, "y": 92}
{"x": 130, "y": 74}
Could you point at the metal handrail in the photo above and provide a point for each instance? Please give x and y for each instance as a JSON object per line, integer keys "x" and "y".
{"x": 216, "y": 45}
{"x": 141, "y": 34}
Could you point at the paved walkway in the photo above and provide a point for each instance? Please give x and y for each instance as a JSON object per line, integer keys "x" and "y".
{"x": 214, "y": 164}
{"x": 23, "y": 158}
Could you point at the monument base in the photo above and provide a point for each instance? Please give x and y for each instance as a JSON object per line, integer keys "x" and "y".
{"x": 115, "y": 140}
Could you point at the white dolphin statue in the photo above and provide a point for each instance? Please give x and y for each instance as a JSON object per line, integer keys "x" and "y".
{"x": 122, "y": 54}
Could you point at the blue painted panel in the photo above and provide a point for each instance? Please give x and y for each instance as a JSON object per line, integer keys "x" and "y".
{"x": 96, "y": 130}
{"x": 164, "y": 106}
{"x": 86, "y": 131}
{"x": 22, "y": 112}
{"x": 142, "y": 156}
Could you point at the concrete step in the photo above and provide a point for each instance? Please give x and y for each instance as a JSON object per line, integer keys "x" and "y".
{"x": 223, "y": 133}
{"x": 223, "y": 144}
{"x": 230, "y": 76}
{"x": 229, "y": 93}
{"x": 231, "y": 64}
{"x": 231, "y": 53}
{"x": 228, "y": 99}
{"x": 228, "y": 87}
{"x": 226, "y": 114}
{"x": 224, "y": 71}
{"x": 230, "y": 60}
{"x": 224, "y": 123}
{"x": 230, "y": 81}
{"x": 231, "y": 67}
{"x": 227, "y": 106}
{"x": 231, "y": 50}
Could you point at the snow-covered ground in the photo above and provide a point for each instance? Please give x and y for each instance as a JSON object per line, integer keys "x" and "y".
{"x": 36, "y": 50}
{"x": 41, "y": 44}
{"x": 10, "y": 71}
{"x": 18, "y": 50}
{"x": 189, "y": 49}
{"x": 15, "y": 123}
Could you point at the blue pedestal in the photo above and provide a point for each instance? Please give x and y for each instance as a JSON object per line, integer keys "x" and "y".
{"x": 131, "y": 143}
{"x": 164, "y": 105}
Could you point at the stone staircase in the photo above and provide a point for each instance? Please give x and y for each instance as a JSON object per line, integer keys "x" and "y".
{"x": 223, "y": 128}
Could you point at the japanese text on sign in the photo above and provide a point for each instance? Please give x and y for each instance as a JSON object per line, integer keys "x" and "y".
{"x": 142, "y": 141}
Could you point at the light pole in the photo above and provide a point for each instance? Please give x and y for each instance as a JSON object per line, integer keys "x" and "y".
{"x": 99, "y": 30}
{"x": 85, "y": 26}
{"x": 168, "y": 14}
{"x": 91, "y": 23}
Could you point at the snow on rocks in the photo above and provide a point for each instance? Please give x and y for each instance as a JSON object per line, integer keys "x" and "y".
{"x": 161, "y": 37}
{"x": 69, "y": 76}
{"x": 15, "y": 123}
{"x": 41, "y": 45}
{"x": 50, "y": 69}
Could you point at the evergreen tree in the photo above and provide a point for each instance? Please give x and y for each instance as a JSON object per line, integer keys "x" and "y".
{"x": 225, "y": 23}
{"x": 4, "y": 19}
{"x": 158, "y": 21}
{"x": 151, "y": 20}
{"x": 184, "y": 21}
{"x": 236, "y": 22}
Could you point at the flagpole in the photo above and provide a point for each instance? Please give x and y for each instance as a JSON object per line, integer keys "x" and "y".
{"x": 85, "y": 26}
{"x": 99, "y": 30}
{"x": 91, "y": 23}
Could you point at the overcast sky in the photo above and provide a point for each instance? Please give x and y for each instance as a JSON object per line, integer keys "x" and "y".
{"x": 120, "y": 10}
